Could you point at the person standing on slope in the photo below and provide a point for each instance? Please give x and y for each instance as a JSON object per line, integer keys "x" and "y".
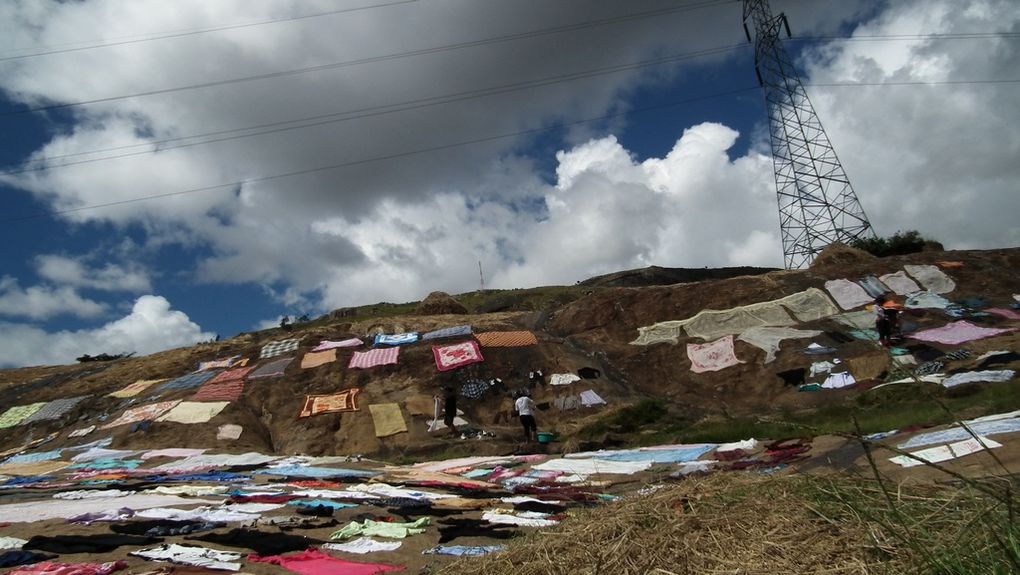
{"x": 525, "y": 407}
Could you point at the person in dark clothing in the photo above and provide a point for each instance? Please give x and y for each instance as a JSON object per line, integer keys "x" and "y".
{"x": 450, "y": 409}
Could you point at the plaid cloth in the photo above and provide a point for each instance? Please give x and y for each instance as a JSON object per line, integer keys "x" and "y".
{"x": 231, "y": 375}
{"x": 55, "y": 409}
{"x": 455, "y": 331}
{"x": 271, "y": 369}
{"x": 374, "y": 357}
{"x": 474, "y": 388}
{"x": 506, "y": 338}
{"x": 456, "y": 355}
{"x": 929, "y": 367}
{"x": 136, "y": 388}
{"x": 193, "y": 379}
{"x": 396, "y": 338}
{"x": 326, "y": 344}
{"x": 346, "y": 400}
{"x": 957, "y": 355}
{"x": 18, "y": 413}
{"x": 317, "y": 358}
{"x": 225, "y": 391}
{"x": 275, "y": 348}
{"x": 142, "y": 413}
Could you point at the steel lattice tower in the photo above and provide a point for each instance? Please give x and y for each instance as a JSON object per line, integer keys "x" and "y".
{"x": 817, "y": 205}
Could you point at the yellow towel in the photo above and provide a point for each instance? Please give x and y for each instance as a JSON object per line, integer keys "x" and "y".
{"x": 136, "y": 388}
{"x": 387, "y": 419}
{"x": 318, "y": 358}
{"x": 193, "y": 411}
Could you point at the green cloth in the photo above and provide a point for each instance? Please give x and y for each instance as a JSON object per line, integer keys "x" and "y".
{"x": 19, "y": 413}
{"x": 898, "y": 351}
{"x": 810, "y": 387}
{"x": 382, "y": 529}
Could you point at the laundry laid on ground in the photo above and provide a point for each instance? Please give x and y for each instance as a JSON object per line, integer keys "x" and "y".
{"x": 945, "y": 452}
{"x": 768, "y": 339}
{"x": 187, "y": 381}
{"x": 456, "y": 355}
{"x": 958, "y": 332}
{"x": 344, "y": 343}
{"x": 848, "y": 294}
{"x": 142, "y": 413}
{"x": 455, "y": 331}
{"x": 506, "y": 339}
{"x": 315, "y": 359}
{"x": 396, "y": 338}
{"x": 345, "y": 400}
{"x": 712, "y": 356}
{"x": 18, "y": 414}
{"x": 193, "y": 411}
{"x": 931, "y": 277}
{"x": 136, "y": 388}
{"x": 275, "y": 348}
{"x": 374, "y": 358}
{"x": 273, "y": 368}
{"x": 387, "y": 419}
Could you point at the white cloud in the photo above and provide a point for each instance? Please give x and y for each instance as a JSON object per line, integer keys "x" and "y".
{"x": 109, "y": 277}
{"x": 44, "y": 302}
{"x": 919, "y": 157}
{"x": 150, "y": 327}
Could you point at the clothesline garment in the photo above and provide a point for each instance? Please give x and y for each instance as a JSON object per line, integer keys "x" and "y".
{"x": 712, "y": 356}
{"x": 455, "y": 331}
{"x": 275, "y": 348}
{"x": 396, "y": 338}
{"x": 345, "y": 343}
{"x": 456, "y": 355}
{"x": 847, "y": 294}
{"x": 374, "y": 357}
{"x": 958, "y": 332}
{"x": 346, "y": 400}
{"x": 931, "y": 277}
{"x": 317, "y": 358}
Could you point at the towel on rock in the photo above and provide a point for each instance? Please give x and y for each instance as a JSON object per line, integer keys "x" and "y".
{"x": 456, "y": 355}
{"x": 506, "y": 339}
{"x": 712, "y": 356}
{"x": 346, "y": 400}
{"x": 847, "y": 294}
{"x": 932, "y": 278}
{"x": 900, "y": 283}
{"x": 373, "y": 358}
{"x": 957, "y": 332}
{"x": 275, "y": 348}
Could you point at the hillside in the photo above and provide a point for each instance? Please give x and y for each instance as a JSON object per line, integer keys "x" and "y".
{"x": 592, "y": 329}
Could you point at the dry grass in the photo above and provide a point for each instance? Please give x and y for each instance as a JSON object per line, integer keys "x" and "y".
{"x": 724, "y": 523}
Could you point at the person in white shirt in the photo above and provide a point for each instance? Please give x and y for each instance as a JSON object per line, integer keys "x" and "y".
{"x": 525, "y": 407}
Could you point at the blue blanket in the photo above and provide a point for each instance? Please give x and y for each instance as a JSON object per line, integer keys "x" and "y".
{"x": 455, "y": 331}
{"x": 396, "y": 339}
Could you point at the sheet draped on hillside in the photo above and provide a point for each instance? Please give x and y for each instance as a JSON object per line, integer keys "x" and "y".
{"x": 272, "y": 369}
{"x": 712, "y": 356}
{"x": 327, "y": 344}
{"x": 900, "y": 283}
{"x": 957, "y": 332}
{"x": 506, "y": 339}
{"x": 346, "y": 400}
{"x": 455, "y": 331}
{"x": 142, "y": 413}
{"x": 231, "y": 375}
{"x": 456, "y": 355}
{"x": 387, "y": 419}
{"x": 932, "y": 278}
{"x": 808, "y": 305}
{"x": 769, "y": 338}
{"x": 187, "y": 381}
{"x": 317, "y": 358}
{"x": 55, "y": 409}
{"x": 374, "y": 357}
{"x": 136, "y": 388}
{"x": 848, "y": 294}
{"x": 225, "y": 391}
{"x": 193, "y": 412}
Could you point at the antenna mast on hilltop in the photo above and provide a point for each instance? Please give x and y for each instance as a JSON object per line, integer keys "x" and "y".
{"x": 817, "y": 205}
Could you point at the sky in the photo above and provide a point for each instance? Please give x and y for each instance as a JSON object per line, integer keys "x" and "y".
{"x": 176, "y": 171}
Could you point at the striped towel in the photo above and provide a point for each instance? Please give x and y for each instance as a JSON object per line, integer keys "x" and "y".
{"x": 506, "y": 338}
{"x": 455, "y": 331}
{"x": 225, "y": 391}
{"x": 374, "y": 357}
{"x": 231, "y": 375}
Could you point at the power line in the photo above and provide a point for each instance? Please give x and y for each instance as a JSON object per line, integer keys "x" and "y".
{"x": 374, "y": 59}
{"x": 56, "y": 48}
{"x": 901, "y": 37}
{"x": 482, "y": 140}
{"x": 372, "y": 111}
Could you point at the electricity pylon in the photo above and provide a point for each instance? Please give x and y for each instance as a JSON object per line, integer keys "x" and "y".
{"x": 817, "y": 205}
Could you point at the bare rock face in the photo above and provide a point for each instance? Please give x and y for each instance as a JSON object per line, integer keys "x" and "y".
{"x": 440, "y": 303}
{"x": 839, "y": 254}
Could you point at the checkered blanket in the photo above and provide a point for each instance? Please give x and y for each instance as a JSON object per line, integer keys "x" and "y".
{"x": 346, "y": 400}
{"x": 275, "y": 348}
{"x": 224, "y": 391}
{"x": 455, "y": 331}
{"x": 231, "y": 375}
{"x": 506, "y": 338}
{"x": 271, "y": 369}
{"x": 396, "y": 338}
{"x": 142, "y": 413}
{"x": 193, "y": 379}
{"x": 474, "y": 388}
{"x": 456, "y": 355}
{"x": 55, "y": 409}
{"x": 374, "y": 357}
{"x": 326, "y": 344}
